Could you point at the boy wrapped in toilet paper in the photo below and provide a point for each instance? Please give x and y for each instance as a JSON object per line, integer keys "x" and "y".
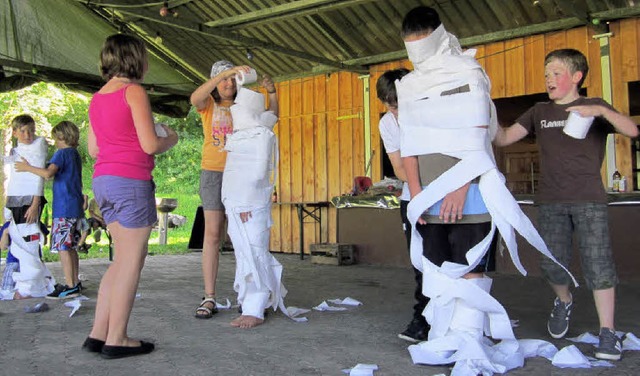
{"x": 247, "y": 186}
{"x": 461, "y": 126}
{"x": 34, "y": 278}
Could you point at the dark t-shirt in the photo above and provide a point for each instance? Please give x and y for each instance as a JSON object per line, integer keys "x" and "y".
{"x": 569, "y": 167}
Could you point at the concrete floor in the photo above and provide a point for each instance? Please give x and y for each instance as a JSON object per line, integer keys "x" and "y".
{"x": 49, "y": 342}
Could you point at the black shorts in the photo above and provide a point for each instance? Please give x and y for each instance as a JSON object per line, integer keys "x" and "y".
{"x": 451, "y": 242}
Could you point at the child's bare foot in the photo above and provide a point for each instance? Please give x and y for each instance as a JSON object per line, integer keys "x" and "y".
{"x": 17, "y": 296}
{"x": 246, "y": 322}
{"x": 236, "y": 322}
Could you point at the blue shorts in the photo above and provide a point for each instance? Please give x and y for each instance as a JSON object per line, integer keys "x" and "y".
{"x": 130, "y": 202}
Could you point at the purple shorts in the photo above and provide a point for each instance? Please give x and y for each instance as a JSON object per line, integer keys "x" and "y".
{"x": 130, "y": 202}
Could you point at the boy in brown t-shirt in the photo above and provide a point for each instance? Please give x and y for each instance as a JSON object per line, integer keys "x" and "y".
{"x": 571, "y": 196}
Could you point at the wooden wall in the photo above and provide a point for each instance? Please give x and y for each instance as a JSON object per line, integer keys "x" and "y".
{"x": 321, "y": 154}
{"x": 321, "y": 135}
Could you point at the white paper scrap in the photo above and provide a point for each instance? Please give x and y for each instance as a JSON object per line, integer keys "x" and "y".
{"x": 361, "y": 370}
{"x": 630, "y": 342}
{"x": 294, "y": 312}
{"x": 599, "y": 363}
{"x": 75, "y": 304}
{"x": 585, "y": 338}
{"x": 536, "y": 347}
{"x": 227, "y": 305}
{"x": 345, "y": 301}
{"x": 326, "y": 307}
{"x": 570, "y": 357}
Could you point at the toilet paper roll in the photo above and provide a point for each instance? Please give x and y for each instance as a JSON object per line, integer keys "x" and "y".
{"x": 577, "y": 126}
{"x": 247, "y": 78}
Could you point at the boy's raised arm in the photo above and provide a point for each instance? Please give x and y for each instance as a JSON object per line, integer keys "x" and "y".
{"x": 622, "y": 123}
{"x": 507, "y": 136}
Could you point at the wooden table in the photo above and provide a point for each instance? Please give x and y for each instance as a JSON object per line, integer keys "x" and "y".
{"x": 307, "y": 209}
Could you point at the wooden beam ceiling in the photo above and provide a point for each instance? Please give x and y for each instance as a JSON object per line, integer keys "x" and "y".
{"x": 243, "y": 41}
{"x": 297, "y": 8}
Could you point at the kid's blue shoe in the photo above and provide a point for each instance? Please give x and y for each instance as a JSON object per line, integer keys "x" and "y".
{"x": 64, "y": 292}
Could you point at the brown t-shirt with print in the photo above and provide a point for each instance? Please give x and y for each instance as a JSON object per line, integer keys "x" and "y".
{"x": 569, "y": 167}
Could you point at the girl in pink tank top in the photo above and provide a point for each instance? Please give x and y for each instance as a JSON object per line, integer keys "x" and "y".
{"x": 123, "y": 138}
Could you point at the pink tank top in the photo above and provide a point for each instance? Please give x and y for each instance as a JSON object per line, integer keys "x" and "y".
{"x": 119, "y": 151}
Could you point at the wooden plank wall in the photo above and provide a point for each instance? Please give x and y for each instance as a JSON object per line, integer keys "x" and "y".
{"x": 320, "y": 154}
{"x": 321, "y": 136}
{"x": 516, "y": 67}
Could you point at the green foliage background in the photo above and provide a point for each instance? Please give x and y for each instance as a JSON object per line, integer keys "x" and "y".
{"x": 177, "y": 172}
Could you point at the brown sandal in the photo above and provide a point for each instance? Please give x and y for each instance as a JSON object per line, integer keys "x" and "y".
{"x": 204, "y": 312}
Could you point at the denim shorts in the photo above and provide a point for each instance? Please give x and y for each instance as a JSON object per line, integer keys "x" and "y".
{"x": 211, "y": 190}
{"x": 557, "y": 224}
{"x": 130, "y": 202}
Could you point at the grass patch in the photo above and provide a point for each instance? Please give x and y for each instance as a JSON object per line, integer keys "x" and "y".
{"x": 177, "y": 238}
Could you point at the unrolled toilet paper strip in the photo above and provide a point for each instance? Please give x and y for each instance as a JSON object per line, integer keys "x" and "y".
{"x": 34, "y": 278}
{"x": 452, "y": 296}
{"x": 251, "y": 100}
{"x": 249, "y": 175}
{"x": 361, "y": 370}
{"x": 476, "y": 160}
{"x": 246, "y": 78}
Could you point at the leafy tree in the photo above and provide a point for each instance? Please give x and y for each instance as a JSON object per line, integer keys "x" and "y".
{"x": 176, "y": 170}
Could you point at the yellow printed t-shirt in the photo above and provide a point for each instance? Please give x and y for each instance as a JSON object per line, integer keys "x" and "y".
{"x": 216, "y": 125}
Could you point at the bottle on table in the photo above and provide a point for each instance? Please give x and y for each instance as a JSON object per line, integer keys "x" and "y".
{"x": 616, "y": 181}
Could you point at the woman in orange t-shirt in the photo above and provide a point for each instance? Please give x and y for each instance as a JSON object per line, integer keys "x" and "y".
{"x": 212, "y": 100}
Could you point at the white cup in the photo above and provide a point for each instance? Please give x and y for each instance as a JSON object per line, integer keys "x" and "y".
{"x": 577, "y": 126}
{"x": 247, "y": 78}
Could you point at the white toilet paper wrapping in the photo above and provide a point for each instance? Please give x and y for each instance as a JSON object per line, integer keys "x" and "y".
{"x": 34, "y": 278}
{"x": 258, "y": 274}
{"x": 250, "y": 169}
{"x": 249, "y": 99}
{"x": 463, "y": 140}
{"x": 248, "y": 111}
{"x": 247, "y": 186}
{"x": 26, "y": 183}
{"x": 460, "y": 125}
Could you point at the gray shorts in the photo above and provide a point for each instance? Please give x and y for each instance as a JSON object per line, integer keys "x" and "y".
{"x": 130, "y": 202}
{"x": 590, "y": 222}
{"x": 211, "y": 190}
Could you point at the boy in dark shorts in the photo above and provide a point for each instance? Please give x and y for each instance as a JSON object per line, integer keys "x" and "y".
{"x": 571, "y": 197}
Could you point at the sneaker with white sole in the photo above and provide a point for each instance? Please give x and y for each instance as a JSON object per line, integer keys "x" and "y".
{"x": 64, "y": 292}
{"x": 417, "y": 331}
{"x": 610, "y": 346}
{"x": 558, "y": 324}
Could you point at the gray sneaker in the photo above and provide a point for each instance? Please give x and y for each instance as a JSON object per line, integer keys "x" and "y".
{"x": 610, "y": 346}
{"x": 558, "y": 324}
